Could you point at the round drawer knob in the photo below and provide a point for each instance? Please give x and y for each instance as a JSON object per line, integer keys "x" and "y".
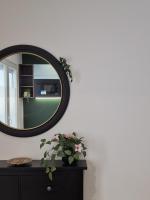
{"x": 49, "y": 188}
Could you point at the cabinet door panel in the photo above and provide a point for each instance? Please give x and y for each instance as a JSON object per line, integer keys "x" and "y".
{"x": 66, "y": 186}
{"x": 9, "y": 188}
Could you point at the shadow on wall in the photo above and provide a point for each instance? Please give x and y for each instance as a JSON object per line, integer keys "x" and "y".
{"x": 90, "y": 182}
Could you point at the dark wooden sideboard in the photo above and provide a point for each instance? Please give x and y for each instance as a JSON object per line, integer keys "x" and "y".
{"x": 31, "y": 182}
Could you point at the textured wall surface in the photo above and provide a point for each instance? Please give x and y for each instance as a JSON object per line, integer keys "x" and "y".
{"x": 108, "y": 44}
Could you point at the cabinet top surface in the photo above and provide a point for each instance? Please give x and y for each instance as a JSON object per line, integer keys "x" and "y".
{"x": 36, "y": 166}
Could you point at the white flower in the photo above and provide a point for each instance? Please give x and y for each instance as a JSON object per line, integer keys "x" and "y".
{"x": 78, "y": 148}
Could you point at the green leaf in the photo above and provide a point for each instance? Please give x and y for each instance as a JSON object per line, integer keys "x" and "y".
{"x": 42, "y": 161}
{"x": 84, "y": 153}
{"x": 61, "y": 136}
{"x": 46, "y": 163}
{"x": 70, "y": 160}
{"x": 47, "y": 170}
{"x": 45, "y": 154}
{"x": 83, "y": 146}
{"x": 76, "y": 156}
{"x": 53, "y": 168}
{"x": 48, "y": 142}
{"x": 68, "y": 152}
{"x": 43, "y": 140}
{"x": 74, "y": 134}
{"x": 60, "y": 154}
{"x": 56, "y": 147}
{"x": 41, "y": 145}
{"x": 50, "y": 176}
{"x": 53, "y": 156}
{"x": 54, "y": 140}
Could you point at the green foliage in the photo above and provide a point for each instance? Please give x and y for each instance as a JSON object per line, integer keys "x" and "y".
{"x": 66, "y": 67}
{"x": 42, "y": 144}
{"x": 71, "y": 159}
{"x": 66, "y": 146}
{"x": 50, "y": 176}
{"x": 76, "y": 156}
{"x": 67, "y": 152}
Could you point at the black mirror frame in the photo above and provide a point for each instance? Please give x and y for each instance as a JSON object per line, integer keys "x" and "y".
{"x": 65, "y": 90}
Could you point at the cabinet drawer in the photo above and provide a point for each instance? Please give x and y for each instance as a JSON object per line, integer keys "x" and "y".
{"x": 9, "y": 188}
{"x": 66, "y": 186}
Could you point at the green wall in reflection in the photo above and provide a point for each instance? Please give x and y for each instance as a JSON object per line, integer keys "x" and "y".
{"x": 37, "y": 111}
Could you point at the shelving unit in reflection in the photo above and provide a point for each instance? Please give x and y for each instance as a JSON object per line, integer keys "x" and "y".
{"x": 26, "y": 81}
{"x": 38, "y": 81}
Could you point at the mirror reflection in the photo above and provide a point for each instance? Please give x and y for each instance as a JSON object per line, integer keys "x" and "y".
{"x": 30, "y": 91}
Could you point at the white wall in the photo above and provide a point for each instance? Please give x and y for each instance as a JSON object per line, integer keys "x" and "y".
{"x": 108, "y": 44}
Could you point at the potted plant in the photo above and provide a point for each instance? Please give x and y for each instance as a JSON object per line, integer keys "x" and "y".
{"x": 69, "y": 147}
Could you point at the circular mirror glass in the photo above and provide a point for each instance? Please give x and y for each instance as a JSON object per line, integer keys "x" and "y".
{"x": 34, "y": 90}
{"x": 30, "y": 91}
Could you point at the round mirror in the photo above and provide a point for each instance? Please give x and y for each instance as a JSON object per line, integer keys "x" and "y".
{"x": 34, "y": 90}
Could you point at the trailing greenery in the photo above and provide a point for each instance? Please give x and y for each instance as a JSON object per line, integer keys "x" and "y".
{"x": 66, "y": 67}
{"x": 68, "y": 147}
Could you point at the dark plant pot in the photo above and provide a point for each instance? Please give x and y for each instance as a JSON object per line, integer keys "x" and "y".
{"x": 66, "y": 163}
